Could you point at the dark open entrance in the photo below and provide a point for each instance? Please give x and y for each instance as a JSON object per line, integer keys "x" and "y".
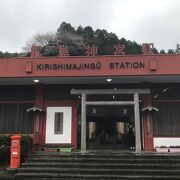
{"x": 108, "y": 127}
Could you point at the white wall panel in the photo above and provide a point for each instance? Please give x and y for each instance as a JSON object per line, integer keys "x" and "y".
{"x": 51, "y": 137}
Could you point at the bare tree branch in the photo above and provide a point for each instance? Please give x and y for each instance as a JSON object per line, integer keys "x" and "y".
{"x": 40, "y": 40}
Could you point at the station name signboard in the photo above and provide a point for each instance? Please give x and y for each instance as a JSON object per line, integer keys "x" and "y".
{"x": 91, "y": 66}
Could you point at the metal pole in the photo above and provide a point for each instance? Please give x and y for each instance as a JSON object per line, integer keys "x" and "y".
{"x": 83, "y": 123}
{"x": 137, "y": 123}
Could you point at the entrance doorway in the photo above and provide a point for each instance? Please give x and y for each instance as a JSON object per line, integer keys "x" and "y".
{"x": 108, "y": 127}
{"x": 134, "y": 102}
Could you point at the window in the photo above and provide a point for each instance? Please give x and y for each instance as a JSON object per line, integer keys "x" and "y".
{"x": 58, "y": 123}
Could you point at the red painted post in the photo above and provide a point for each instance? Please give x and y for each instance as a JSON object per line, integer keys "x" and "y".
{"x": 39, "y": 102}
{"x": 148, "y": 134}
{"x": 15, "y": 151}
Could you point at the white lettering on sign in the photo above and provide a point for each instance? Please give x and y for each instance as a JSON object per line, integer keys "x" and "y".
{"x": 14, "y": 153}
{"x": 14, "y": 143}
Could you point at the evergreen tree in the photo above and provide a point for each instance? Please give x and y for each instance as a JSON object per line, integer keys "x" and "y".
{"x": 77, "y": 40}
{"x": 162, "y": 51}
{"x": 171, "y": 51}
{"x": 8, "y": 55}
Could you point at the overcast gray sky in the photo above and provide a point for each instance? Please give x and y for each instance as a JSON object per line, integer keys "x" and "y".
{"x": 154, "y": 21}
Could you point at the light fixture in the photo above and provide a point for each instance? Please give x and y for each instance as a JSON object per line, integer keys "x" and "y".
{"x": 166, "y": 89}
{"x": 124, "y": 111}
{"x": 156, "y": 96}
{"x": 108, "y": 79}
{"x": 113, "y": 97}
{"x": 150, "y": 108}
{"x": 94, "y": 110}
{"x": 36, "y": 80}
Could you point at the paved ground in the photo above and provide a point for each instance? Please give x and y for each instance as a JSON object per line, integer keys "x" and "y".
{"x": 4, "y": 175}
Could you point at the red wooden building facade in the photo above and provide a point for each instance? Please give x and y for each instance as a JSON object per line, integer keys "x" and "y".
{"x": 36, "y": 96}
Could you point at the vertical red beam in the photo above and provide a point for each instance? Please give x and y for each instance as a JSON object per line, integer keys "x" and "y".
{"x": 74, "y": 126}
{"x": 39, "y": 102}
{"x": 43, "y": 134}
{"x": 148, "y": 136}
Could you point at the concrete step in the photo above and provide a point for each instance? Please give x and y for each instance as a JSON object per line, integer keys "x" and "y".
{"x": 53, "y": 176}
{"x": 107, "y": 160}
{"x": 103, "y": 171}
{"x": 113, "y": 155}
{"x": 101, "y": 165}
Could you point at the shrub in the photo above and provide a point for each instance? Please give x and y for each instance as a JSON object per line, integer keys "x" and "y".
{"x": 26, "y": 146}
{"x": 5, "y": 142}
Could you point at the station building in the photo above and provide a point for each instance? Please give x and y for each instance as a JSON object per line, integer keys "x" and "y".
{"x": 89, "y": 102}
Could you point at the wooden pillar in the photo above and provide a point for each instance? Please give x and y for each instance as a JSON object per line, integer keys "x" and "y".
{"x": 83, "y": 123}
{"x": 39, "y": 102}
{"x": 148, "y": 124}
{"x": 39, "y": 96}
{"x": 137, "y": 123}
